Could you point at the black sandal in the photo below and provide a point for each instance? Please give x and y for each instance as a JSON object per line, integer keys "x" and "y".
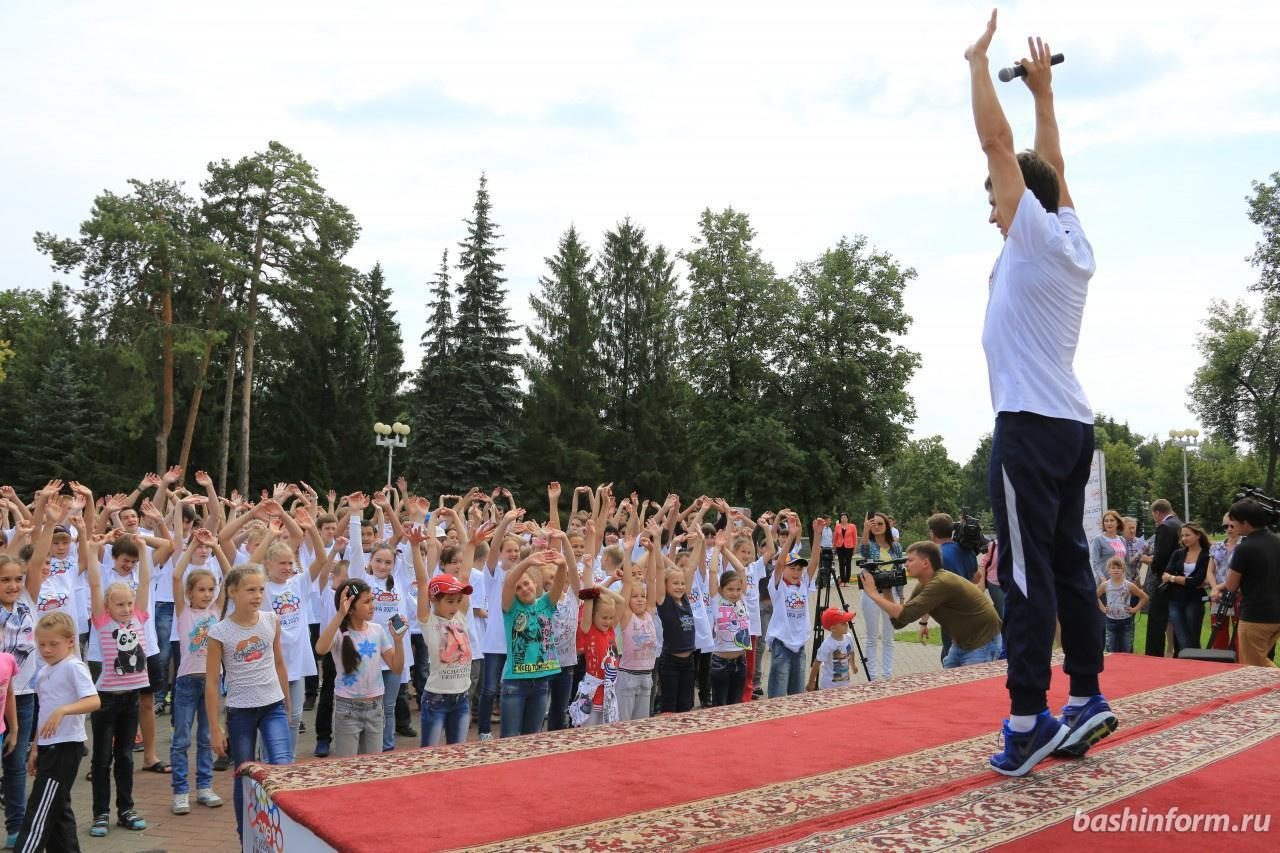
{"x": 158, "y": 767}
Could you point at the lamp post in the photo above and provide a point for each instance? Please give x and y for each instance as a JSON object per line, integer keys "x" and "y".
{"x": 1187, "y": 439}
{"x": 391, "y": 436}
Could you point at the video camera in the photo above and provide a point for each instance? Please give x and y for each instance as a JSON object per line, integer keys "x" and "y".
{"x": 1269, "y": 504}
{"x": 1222, "y": 610}
{"x": 895, "y": 576}
{"x": 967, "y": 533}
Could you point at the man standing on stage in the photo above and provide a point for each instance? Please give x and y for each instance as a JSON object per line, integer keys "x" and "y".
{"x": 1043, "y": 442}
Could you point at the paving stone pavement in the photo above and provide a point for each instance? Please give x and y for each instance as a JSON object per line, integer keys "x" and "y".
{"x": 206, "y": 829}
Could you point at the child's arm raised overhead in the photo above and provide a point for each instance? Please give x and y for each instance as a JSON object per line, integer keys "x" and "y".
{"x": 324, "y": 642}
{"x": 356, "y": 503}
{"x": 499, "y": 535}
{"x": 420, "y": 573}
{"x": 815, "y": 549}
{"x": 175, "y": 577}
{"x": 553, "y": 501}
{"x": 93, "y": 574}
{"x": 144, "y": 578}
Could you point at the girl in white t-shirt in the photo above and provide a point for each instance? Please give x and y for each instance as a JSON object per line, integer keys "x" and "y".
{"x": 196, "y": 602}
{"x": 637, "y": 630}
{"x": 358, "y": 690}
{"x": 246, "y": 647}
{"x": 731, "y": 623}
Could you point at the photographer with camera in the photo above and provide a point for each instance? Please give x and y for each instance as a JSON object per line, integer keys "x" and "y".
{"x": 954, "y": 602}
{"x": 1255, "y": 574}
{"x": 943, "y": 532}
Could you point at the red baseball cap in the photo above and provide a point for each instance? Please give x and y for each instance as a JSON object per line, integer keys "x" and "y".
{"x": 832, "y": 616}
{"x": 447, "y": 585}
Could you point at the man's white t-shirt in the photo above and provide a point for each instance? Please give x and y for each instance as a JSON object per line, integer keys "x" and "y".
{"x": 1034, "y": 311}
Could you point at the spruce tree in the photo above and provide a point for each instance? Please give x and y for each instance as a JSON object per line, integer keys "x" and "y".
{"x": 645, "y": 443}
{"x": 431, "y": 399}
{"x": 562, "y": 436}
{"x": 481, "y": 434}
{"x": 383, "y": 346}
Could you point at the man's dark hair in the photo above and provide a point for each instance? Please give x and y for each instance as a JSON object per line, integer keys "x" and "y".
{"x": 931, "y": 552}
{"x": 1250, "y": 512}
{"x": 941, "y": 525}
{"x": 1040, "y": 178}
{"x": 1161, "y": 506}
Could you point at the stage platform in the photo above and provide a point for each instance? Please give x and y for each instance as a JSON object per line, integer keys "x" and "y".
{"x": 895, "y": 765}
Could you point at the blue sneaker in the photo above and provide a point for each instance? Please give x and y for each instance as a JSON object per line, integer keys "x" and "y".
{"x": 322, "y": 748}
{"x": 1086, "y": 725}
{"x": 11, "y": 841}
{"x": 1024, "y": 750}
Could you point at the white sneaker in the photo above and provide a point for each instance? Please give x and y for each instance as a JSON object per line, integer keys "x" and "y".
{"x": 206, "y": 797}
{"x": 181, "y": 804}
{"x": 486, "y": 736}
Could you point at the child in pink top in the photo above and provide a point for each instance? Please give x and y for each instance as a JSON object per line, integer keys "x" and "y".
{"x": 637, "y": 632}
{"x": 119, "y": 614}
{"x": 8, "y": 719}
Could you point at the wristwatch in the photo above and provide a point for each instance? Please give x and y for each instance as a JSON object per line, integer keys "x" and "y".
{"x": 924, "y": 622}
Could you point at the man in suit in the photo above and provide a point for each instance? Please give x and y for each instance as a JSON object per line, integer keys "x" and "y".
{"x": 1162, "y": 548}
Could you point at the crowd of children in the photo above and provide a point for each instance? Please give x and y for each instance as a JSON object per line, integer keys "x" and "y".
{"x": 236, "y": 616}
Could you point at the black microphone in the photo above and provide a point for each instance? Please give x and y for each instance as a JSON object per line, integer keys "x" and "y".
{"x": 1013, "y": 71}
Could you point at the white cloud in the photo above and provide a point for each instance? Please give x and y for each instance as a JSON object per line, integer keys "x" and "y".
{"x": 818, "y": 118}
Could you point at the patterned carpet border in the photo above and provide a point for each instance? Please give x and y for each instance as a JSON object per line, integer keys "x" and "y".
{"x": 982, "y": 818}
{"x": 752, "y": 813}
{"x": 311, "y": 775}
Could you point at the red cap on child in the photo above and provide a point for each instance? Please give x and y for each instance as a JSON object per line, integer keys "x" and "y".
{"x": 447, "y": 585}
{"x": 832, "y": 616}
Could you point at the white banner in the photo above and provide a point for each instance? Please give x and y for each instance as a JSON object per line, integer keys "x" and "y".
{"x": 1095, "y": 496}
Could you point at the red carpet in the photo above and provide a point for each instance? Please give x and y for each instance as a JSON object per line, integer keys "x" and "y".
{"x": 892, "y": 765}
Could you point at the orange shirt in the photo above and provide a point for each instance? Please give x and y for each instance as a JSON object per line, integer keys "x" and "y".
{"x": 846, "y": 536}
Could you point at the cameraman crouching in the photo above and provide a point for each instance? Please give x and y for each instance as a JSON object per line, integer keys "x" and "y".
{"x": 959, "y": 607}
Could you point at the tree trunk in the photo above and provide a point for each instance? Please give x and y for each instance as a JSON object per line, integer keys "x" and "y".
{"x": 166, "y": 382}
{"x": 1273, "y": 450}
{"x": 246, "y": 389}
{"x": 193, "y": 410}
{"x": 224, "y": 451}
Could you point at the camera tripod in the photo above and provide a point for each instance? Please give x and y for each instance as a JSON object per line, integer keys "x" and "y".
{"x": 826, "y": 580}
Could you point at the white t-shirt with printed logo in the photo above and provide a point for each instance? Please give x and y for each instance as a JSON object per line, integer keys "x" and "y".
{"x": 790, "y": 622}
{"x": 835, "y": 659}
{"x": 288, "y": 601}
{"x": 248, "y": 661}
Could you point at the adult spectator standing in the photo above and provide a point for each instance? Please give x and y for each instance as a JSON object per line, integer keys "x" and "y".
{"x": 1222, "y": 553}
{"x": 1184, "y": 578}
{"x": 1165, "y": 542}
{"x": 1107, "y": 544}
{"x": 846, "y": 543}
{"x": 1042, "y": 447}
{"x": 955, "y": 559}
{"x": 1255, "y": 573}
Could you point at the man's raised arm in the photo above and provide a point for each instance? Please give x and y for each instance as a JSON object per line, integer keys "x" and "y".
{"x": 1007, "y": 185}
{"x": 1039, "y": 80}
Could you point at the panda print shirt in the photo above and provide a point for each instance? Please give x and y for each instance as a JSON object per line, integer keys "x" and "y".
{"x": 124, "y": 655}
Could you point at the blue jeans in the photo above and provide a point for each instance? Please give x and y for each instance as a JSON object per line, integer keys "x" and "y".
{"x": 390, "y": 690}
{"x": 489, "y": 688}
{"x": 524, "y": 705}
{"x": 560, "y": 691}
{"x": 964, "y": 657}
{"x": 1187, "y": 618}
{"x": 445, "y": 715}
{"x": 1120, "y": 634}
{"x": 164, "y": 626}
{"x": 786, "y": 670}
{"x": 15, "y": 766}
{"x": 244, "y": 725}
{"x": 188, "y": 708}
{"x": 728, "y": 675}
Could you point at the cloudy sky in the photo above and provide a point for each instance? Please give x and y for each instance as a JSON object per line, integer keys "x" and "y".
{"x": 819, "y": 119}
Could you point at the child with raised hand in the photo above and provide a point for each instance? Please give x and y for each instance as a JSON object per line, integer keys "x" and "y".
{"x": 503, "y": 555}
{"x": 286, "y": 597}
{"x": 677, "y": 666}
{"x": 358, "y": 717}
{"x": 531, "y": 656}
{"x": 637, "y": 634}
{"x": 732, "y": 635}
{"x": 246, "y": 647}
{"x": 442, "y": 613}
{"x": 756, "y": 571}
{"x": 389, "y": 610}
{"x": 835, "y": 661}
{"x": 196, "y": 602}
{"x": 789, "y": 590}
{"x": 119, "y": 617}
{"x": 596, "y": 700}
{"x": 565, "y": 629}
{"x": 65, "y": 694}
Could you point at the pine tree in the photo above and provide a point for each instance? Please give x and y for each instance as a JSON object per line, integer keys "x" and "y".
{"x": 481, "y": 434}
{"x": 646, "y": 446}
{"x": 62, "y": 434}
{"x": 431, "y": 400}
{"x": 562, "y": 436}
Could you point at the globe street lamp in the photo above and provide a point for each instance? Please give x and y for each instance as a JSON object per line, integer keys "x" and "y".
{"x": 390, "y": 436}
{"x": 1187, "y": 439}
